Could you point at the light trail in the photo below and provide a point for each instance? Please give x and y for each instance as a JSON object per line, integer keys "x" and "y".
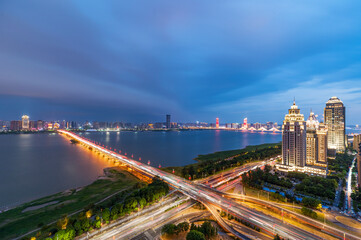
{"x": 266, "y": 223}
{"x": 349, "y": 188}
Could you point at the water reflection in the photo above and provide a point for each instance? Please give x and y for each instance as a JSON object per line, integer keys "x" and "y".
{"x": 35, "y": 165}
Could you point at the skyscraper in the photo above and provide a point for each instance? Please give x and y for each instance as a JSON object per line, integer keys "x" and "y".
{"x": 168, "y": 124}
{"x": 335, "y": 121}
{"x": 217, "y": 122}
{"x": 294, "y": 138}
{"x": 25, "y": 122}
{"x": 316, "y": 142}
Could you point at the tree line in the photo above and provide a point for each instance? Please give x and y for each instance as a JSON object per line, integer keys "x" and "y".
{"x": 93, "y": 217}
{"x": 206, "y": 168}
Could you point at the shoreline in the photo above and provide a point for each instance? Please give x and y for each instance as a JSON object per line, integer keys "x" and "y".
{"x": 65, "y": 191}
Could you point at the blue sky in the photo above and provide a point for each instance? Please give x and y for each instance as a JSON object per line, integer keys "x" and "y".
{"x": 197, "y": 60}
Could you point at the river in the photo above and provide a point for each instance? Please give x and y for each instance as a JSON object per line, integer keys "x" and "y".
{"x": 36, "y": 165}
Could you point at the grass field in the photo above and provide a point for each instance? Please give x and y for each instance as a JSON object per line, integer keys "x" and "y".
{"x": 16, "y": 222}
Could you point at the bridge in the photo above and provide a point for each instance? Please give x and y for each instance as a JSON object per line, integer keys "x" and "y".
{"x": 208, "y": 197}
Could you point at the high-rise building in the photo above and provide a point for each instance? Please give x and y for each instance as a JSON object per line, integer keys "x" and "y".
{"x": 25, "y": 123}
{"x": 335, "y": 119}
{"x": 15, "y": 125}
{"x": 316, "y": 142}
{"x": 294, "y": 138}
{"x": 359, "y": 165}
{"x": 298, "y": 156}
{"x": 33, "y": 125}
{"x": 168, "y": 124}
{"x": 40, "y": 125}
{"x": 217, "y": 122}
{"x": 356, "y": 141}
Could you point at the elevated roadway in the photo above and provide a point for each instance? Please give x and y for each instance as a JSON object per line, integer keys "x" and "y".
{"x": 266, "y": 223}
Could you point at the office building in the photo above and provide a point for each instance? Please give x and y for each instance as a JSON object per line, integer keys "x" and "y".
{"x": 359, "y": 165}
{"x": 335, "y": 119}
{"x": 294, "y": 150}
{"x": 294, "y": 138}
{"x": 15, "y": 125}
{"x": 33, "y": 125}
{"x": 316, "y": 142}
{"x": 25, "y": 123}
{"x": 217, "y": 122}
{"x": 356, "y": 141}
{"x": 40, "y": 125}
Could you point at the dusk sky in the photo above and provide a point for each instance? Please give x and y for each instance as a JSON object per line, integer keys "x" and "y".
{"x": 196, "y": 60}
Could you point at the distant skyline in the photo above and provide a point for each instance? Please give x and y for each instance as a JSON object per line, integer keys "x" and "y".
{"x": 196, "y": 60}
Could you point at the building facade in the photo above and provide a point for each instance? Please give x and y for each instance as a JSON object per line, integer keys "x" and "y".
{"x": 15, "y": 125}
{"x": 302, "y": 150}
{"x": 356, "y": 141}
{"x": 25, "y": 122}
{"x": 359, "y": 165}
{"x": 294, "y": 138}
{"x": 335, "y": 118}
{"x": 316, "y": 142}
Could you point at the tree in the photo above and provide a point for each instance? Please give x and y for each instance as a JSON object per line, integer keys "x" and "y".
{"x": 97, "y": 223}
{"x": 195, "y": 235}
{"x": 308, "y": 212}
{"x": 106, "y": 214}
{"x": 142, "y": 202}
{"x": 68, "y": 234}
{"x": 114, "y": 212}
{"x": 311, "y": 202}
{"x": 85, "y": 224}
{"x": 63, "y": 222}
{"x": 183, "y": 226}
{"x": 169, "y": 229}
{"x": 207, "y": 229}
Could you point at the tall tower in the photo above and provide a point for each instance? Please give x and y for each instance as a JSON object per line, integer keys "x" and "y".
{"x": 335, "y": 121}
{"x": 294, "y": 138}
{"x": 217, "y": 122}
{"x": 168, "y": 125}
{"x": 25, "y": 122}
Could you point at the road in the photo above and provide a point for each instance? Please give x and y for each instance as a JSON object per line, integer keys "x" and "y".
{"x": 205, "y": 196}
{"x": 309, "y": 221}
{"x": 348, "y": 199}
{"x": 140, "y": 224}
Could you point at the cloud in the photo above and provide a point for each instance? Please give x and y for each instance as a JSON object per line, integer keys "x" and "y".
{"x": 196, "y": 60}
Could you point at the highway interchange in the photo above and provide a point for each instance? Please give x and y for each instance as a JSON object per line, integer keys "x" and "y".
{"x": 211, "y": 198}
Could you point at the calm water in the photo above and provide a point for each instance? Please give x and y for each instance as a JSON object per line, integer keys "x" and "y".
{"x": 36, "y": 165}
{"x": 178, "y": 148}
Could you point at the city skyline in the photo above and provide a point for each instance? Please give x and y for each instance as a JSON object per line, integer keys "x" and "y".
{"x": 109, "y": 61}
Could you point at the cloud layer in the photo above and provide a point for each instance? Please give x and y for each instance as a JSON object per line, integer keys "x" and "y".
{"x": 197, "y": 60}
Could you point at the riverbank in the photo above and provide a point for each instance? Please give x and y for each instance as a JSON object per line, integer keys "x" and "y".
{"x": 213, "y": 163}
{"x": 41, "y": 214}
{"x": 26, "y": 132}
